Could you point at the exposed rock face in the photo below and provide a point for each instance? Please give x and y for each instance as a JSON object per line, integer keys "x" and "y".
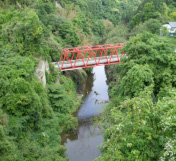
{"x": 58, "y": 5}
{"x": 40, "y": 71}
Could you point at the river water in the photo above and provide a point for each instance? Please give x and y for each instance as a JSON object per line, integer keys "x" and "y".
{"x": 82, "y": 144}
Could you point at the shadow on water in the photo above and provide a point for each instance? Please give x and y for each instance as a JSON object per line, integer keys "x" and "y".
{"x": 82, "y": 143}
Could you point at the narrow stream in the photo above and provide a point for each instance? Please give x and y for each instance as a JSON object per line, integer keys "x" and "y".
{"x": 82, "y": 145}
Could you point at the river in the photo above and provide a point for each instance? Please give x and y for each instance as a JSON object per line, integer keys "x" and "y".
{"x": 82, "y": 144}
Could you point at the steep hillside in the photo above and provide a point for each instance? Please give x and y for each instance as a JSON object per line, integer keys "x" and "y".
{"x": 32, "y": 35}
{"x": 139, "y": 122}
{"x": 37, "y": 100}
{"x": 31, "y": 116}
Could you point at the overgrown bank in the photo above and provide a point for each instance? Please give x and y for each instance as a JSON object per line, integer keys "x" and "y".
{"x": 140, "y": 119}
{"x": 139, "y": 123}
{"x": 32, "y": 117}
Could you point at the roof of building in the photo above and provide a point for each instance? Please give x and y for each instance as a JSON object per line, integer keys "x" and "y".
{"x": 167, "y": 25}
{"x": 172, "y": 24}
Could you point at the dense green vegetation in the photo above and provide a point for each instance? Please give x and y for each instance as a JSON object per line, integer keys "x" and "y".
{"x": 163, "y": 10}
{"x": 139, "y": 123}
{"x": 140, "y": 120}
{"x": 142, "y": 90}
{"x": 32, "y": 117}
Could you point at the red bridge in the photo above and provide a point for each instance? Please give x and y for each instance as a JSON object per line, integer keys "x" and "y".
{"x": 89, "y": 56}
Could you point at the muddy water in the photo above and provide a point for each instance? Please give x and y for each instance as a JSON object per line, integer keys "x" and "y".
{"x": 82, "y": 144}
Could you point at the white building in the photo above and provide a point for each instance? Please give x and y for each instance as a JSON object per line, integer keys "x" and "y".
{"x": 171, "y": 27}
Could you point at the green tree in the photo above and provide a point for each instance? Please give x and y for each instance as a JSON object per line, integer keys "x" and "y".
{"x": 136, "y": 80}
{"x": 67, "y": 32}
{"x": 7, "y": 146}
{"x": 131, "y": 130}
{"x": 60, "y": 100}
{"x": 148, "y": 10}
{"x": 150, "y": 49}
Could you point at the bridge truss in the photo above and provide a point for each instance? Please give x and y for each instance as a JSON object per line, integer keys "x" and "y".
{"x": 90, "y": 56}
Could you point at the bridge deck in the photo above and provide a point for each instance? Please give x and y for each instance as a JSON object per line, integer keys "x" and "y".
{"x": 67, "y": 65}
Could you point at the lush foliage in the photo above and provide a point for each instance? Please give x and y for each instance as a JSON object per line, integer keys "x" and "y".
{"x": 139, "y": 123}
{"x": 32, "y": 117}
{"x": 163, "y": 10}
{"x": 140, "y": 129}
{"x": 140, "y": 120}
